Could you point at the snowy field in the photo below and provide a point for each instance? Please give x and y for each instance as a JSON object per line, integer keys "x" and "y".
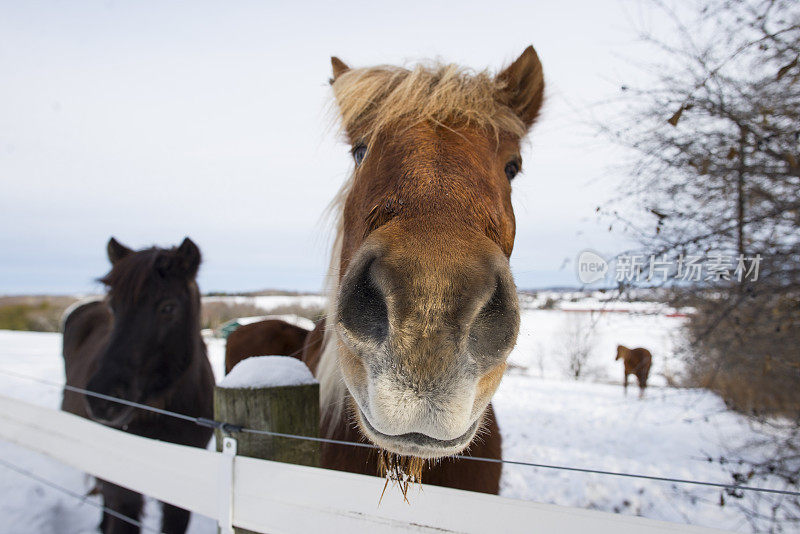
{"x": 545, "y": 417}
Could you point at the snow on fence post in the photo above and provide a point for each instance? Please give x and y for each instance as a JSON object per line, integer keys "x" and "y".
{"x": 274, "y": 393}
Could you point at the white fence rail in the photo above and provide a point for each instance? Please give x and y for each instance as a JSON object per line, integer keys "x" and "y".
{"x": 276, "y": 497}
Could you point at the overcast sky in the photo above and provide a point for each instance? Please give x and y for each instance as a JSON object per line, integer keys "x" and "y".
{"x": 151, "y": 121}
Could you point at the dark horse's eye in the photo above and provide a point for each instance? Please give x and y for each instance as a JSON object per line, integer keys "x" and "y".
{"x": 359, "y": 152}
{"x": 168, "y": 308}
{"x": 512, "y": 169}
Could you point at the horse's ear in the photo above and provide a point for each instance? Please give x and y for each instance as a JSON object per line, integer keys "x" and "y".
{"x": 188, "y": 255}
{"x": 339, "y": 67}
{"x": 116, "y": 251}
{"x": 523, "y": 86}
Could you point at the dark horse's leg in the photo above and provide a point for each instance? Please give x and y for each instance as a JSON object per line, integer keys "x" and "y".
{"x": 174, "y": 520}
{"x": 123, "y": 501}
{"x": 625, "y": 381}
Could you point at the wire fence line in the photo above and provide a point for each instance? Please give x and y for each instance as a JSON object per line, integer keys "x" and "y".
{"x": 230, "y": 428}
{"x": 78, "y": 496}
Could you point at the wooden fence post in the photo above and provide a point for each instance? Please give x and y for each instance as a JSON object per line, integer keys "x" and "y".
{"x": 288, "y": 409}
{"x": 284, "y": 409}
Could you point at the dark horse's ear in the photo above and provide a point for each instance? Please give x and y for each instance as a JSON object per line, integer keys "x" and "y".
{"x": 188, "y": 257}
{"x": 523, "y": 86}
{"x": 116, "y": 251}
{"x": 339, "y": 67}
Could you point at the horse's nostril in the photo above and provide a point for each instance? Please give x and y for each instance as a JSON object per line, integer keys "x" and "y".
{"x": 496, "y": 305}
{"x": 494, "y": 330}
{"x": 362, "y": 306}
{"x": 105, "y": 409}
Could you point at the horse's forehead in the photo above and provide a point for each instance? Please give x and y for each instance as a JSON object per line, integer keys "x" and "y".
{"x": 135, "y": 288}
{"x": 433, "y": 178}
{"x": 142, "y": 281}
{"x": 437, "y": 144}
{"x": 424, "y": 158}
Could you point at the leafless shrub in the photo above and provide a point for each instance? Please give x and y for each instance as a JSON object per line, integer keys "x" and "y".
{"x": 549, "y": 303}
{"x": 748, "y": 354}
{"x": 577, "y": 345}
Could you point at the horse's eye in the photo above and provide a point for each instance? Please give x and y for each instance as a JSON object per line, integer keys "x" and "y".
{"x": 512, "y": 169}
{"x": 168, "y": 308}
{"x": 359, "y": 152}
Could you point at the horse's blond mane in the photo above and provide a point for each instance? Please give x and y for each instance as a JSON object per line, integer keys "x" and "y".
{"x": 333, "y": 391}
{"x": 370, "y": 99}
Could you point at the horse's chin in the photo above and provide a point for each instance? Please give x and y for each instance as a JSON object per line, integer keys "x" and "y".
{"x": 414, "y": 443}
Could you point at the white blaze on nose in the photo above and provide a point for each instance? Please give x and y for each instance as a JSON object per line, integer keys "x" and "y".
{"x": 442, "y": 413}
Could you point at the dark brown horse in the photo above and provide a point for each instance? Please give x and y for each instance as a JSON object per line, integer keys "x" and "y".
{"x": 424, "y": 309}
{"x": 142, "y": 344}
{"x": 637, "y": 362}
{"x": 270, "y": 337}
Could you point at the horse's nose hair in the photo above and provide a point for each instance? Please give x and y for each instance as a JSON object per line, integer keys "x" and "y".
{"x": 362, "y": 305}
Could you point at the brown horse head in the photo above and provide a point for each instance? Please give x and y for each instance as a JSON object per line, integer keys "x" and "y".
{"x": 425, "y": 310}
{"x": 622, "y": 352}
{"x": 155, "y": 304}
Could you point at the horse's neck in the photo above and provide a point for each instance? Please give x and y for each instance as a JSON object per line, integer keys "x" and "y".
{"x": 187, "y": 393}
{"x": 196, "y": 369}
{"x": 199, "y": 354}
{"x": 199, "y": 350}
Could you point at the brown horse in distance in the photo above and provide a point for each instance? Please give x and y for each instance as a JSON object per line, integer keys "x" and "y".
{"x": 142, "y": 344}
{"x": 637, "y": 362}
{"x": 423, "y": 310}
{"x": 270, "y": 337}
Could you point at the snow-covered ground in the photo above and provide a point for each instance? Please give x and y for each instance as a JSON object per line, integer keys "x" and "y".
{"x": 545, "y": 417}
{"x": 597, "y": 300}
{"x": 669, "y": 433}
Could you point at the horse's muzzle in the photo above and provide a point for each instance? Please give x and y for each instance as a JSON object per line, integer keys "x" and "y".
{"x": 108, "y": 412}
{"x": 424, "y": 339}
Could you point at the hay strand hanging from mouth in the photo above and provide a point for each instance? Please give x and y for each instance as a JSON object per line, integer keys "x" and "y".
{"x": 400, "y": 470}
